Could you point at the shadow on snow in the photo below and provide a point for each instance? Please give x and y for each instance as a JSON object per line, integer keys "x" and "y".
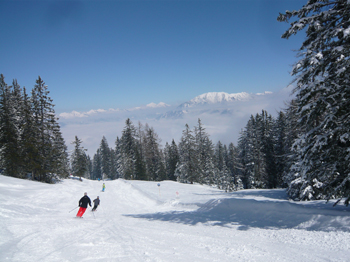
{"x": 274, "y": 213}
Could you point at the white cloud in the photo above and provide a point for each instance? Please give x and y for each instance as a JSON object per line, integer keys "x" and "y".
{"x": 222, "y": 123}
{"x": 75, "y": 114}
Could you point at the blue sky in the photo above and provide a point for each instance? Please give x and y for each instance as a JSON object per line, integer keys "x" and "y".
{"x": 121, "y": 54}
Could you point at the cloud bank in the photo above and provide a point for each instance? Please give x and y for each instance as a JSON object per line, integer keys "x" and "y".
{"x": 223, "y": 120}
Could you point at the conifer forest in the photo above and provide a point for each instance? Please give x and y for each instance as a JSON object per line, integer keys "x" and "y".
{"x": 305, "y": 149}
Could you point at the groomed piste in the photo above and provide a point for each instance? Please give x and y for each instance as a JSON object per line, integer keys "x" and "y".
{"x": 144, "y": 221}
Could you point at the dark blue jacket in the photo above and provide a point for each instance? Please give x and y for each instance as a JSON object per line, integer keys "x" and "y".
{"x": 84, "y": 201}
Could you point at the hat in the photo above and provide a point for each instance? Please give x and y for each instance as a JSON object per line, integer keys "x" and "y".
{"x": 85, "y": 194}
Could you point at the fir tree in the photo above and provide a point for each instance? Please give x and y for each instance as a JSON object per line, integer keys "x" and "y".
{"x": 29, "y": 151}
{"x": 118, "y": 159}
{"x": 187, "y": 169}
{"x": 152, "y": 155}
{"x": 222, "y": 173}
{"x": 280, "y": 148}
{"x": 171, "y": 154}
{"x": 79, "y": 163}
{"x": 31, "y": 141}
{"x": 267, "y": 147}
{"x": 323, "y": 99}
{"x": 234, "y": 166}
{"x": 250, "y": 154}
{"x": 128, "y": 148}
{"x": 114, "y": 165}
{"x": 204, "y": 155}
{"x": 209, "y": 165}
{"x": 9, "y": 131}
{"x": 45, "y": 126}
{"x": 106, "y": 161}
{"x": 140, "y": 164}
{"x": 96, "y": 165}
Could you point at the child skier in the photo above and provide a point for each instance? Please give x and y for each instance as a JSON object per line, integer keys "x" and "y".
{"x": 96, "y": 203}
{"x": 103, "y": 187}
{"x": 83, "y": 202}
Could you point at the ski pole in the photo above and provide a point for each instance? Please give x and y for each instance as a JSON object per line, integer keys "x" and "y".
{"x": 73, "y": 209}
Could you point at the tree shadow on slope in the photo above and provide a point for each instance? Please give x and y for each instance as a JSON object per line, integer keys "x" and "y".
{"x": 250, "y": 213}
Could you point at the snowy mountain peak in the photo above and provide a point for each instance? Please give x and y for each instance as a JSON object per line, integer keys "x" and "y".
{"x": 154, "y": 105}
{"x": 216, "y": 97}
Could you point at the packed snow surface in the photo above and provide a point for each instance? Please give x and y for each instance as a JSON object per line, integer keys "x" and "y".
{"x": 141, "y": 221}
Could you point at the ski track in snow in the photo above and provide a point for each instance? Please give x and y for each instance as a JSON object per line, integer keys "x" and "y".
{"x": 139, "y": 221}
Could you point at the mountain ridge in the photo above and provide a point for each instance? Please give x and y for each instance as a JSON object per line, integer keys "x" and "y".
{"x": 216, "y": 97}
{"x": 221, "y": 103}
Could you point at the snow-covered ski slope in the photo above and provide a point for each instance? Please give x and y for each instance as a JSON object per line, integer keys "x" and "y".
{"x": 139, "y": 221}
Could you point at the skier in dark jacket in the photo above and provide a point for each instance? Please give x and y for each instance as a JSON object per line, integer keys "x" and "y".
{"x": 83, "y": 203}
{"x": 96, "y": 203}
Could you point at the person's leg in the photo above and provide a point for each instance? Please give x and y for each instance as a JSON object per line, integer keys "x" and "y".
{"x": 83, "y": 211}
{"x": 80, "y": 212}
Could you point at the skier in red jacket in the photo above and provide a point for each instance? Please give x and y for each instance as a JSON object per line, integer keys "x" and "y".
{"x": 83, "y": 203}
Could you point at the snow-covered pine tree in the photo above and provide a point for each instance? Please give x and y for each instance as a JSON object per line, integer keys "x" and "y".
{"x": 267, "y": 141}
{"x": 209, "y": 167}
{"x": 118, "y": 159}
{"x": 31, "y": 141}
{"x": 114, "y": 164}
{"x": 59, "y": 155}
{"x": 219, "y": 155}
{"x": 16, "y": 109}
{"x": 129, "y": 151}
{"x": 45, "y": 122}
{"x": 9, "y": 130}
{"x": 78, "y": 159}
{"x": 29, "y": 151}
{"x": 292, "y": 132}
{"x": 322, "y": 77}
{"x": 96, "y": 165}
{"x": 171, "y": 155}
{"x": 140, "y": 152}
{"x": 234, "y": 165}
{"x": 244, "y": 156}
{"x": 204, "y": 153}
{"x": 256, "y": 152}
{"x": 222, "y": 174}
{"x": 152, "y": 155}
{"x": 280, "y": 148}
{"x": 187, "y": 168}
{"x": 89, "y": 167}
{"x": 250, "y": 155}
{"x": 105, "y": 154}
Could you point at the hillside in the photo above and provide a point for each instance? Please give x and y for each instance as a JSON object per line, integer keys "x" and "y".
{"x": 139, "y": 221}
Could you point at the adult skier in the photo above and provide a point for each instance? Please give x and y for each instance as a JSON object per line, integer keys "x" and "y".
{"x": 96, "y": 203}
{"x": 103, "y": 187}
{"x": 83, "y": 203}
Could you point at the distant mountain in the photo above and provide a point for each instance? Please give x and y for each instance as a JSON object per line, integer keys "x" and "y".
{"x": 217, "y": 104}
{"x": 215, "y": 98}
{"x": 212, "y": 103}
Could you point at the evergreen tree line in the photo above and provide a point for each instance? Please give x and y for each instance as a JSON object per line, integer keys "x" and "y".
{"x": 259, "y": 161}
{"x": 30, "y": 139}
